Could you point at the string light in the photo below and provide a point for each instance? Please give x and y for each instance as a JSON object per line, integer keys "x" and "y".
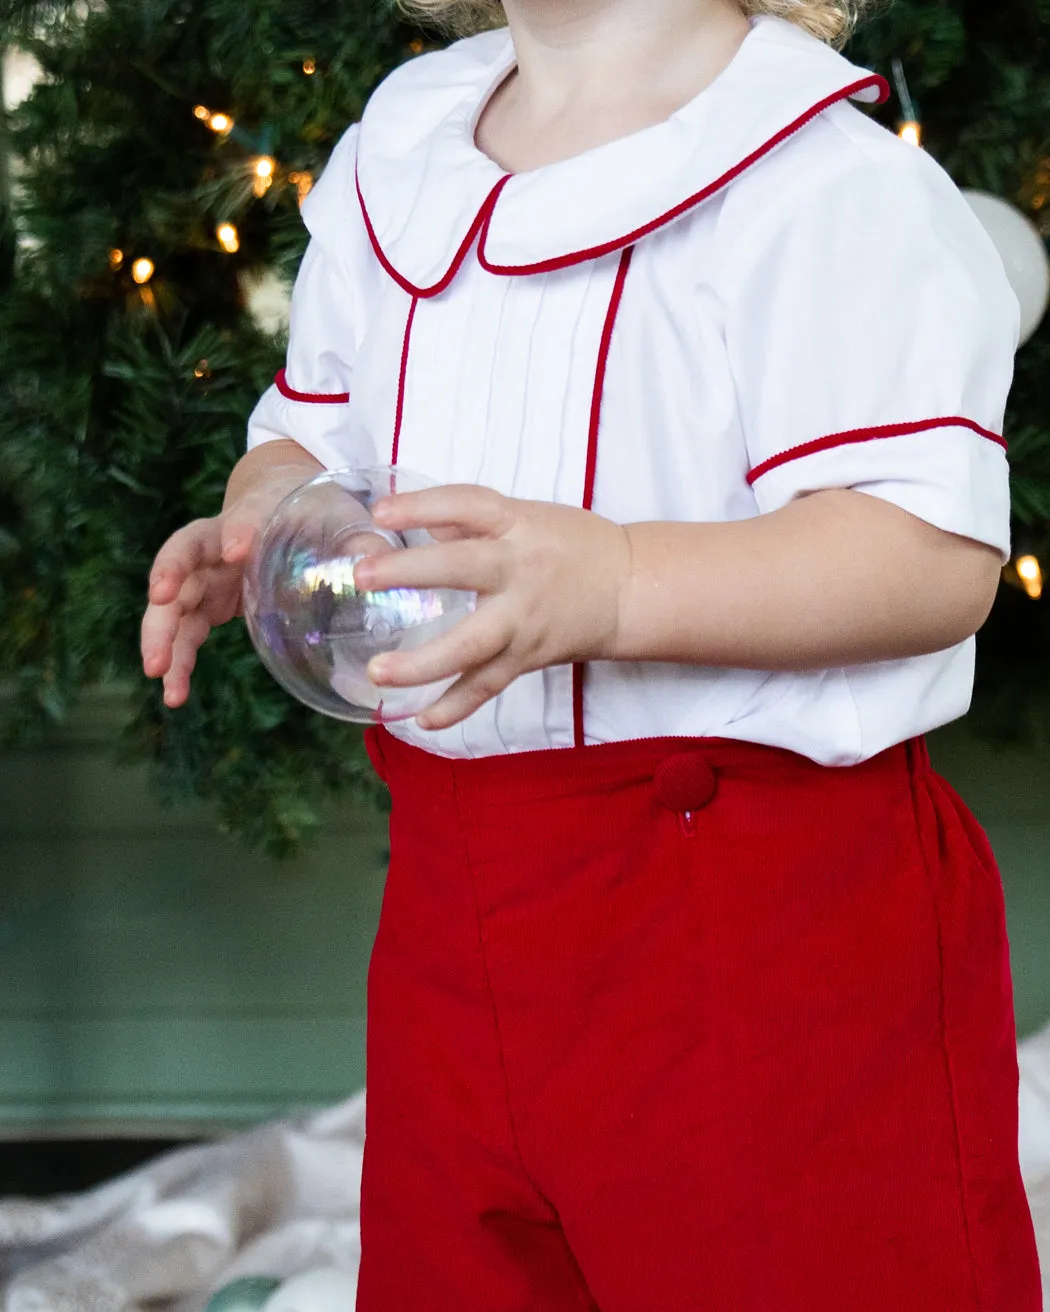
{"x": 142, "y": 271}
{"x": 229, "y": 238}
{"x": 263, "y": 170}
{"x": 263, "y": 167}
{"x": 303, "y": 184}
{"x": 202, "y": 370}
{"x": 309, "y": 67}
{"x": 116, "y": 258}
{"x": 911, "y": 128}
{"x": 217, "y": 122}
{"x": 1030, "y": 572}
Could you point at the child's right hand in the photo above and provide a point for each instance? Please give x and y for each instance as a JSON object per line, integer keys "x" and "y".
{"x": 196, "y": 580}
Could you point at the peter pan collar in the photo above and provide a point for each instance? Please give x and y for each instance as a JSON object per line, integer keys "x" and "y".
{"x": 428, "y": 193}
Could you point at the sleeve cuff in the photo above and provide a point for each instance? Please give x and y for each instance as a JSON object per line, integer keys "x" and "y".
{"x": 950, "y": 472}
{"x": 308, "y": 398}
{"x": 319, "y": 424}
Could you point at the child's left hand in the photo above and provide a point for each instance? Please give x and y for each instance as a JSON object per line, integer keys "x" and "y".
{"x": 549, "y": 580}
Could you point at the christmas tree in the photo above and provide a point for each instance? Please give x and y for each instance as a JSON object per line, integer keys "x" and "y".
{"x": 149, "y": 193}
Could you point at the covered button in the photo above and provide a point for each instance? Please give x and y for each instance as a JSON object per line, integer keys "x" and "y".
{"x": 685, "y": 782}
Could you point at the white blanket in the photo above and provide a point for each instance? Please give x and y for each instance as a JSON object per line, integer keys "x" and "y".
{"x": 277, "y": 1200}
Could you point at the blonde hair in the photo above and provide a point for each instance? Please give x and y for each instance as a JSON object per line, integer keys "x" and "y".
{"x": 830, "y": 20}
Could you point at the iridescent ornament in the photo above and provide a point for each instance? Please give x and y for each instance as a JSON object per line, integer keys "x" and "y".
{"x": 313, "y": 628}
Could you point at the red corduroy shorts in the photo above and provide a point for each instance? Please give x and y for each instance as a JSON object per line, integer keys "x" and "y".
{"x": 689, "y": 1024}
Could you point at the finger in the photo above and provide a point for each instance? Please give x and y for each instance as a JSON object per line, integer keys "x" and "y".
{"x": 240, "y": 528}
{"x": 186, "y": 550}
{"x": 476, "y": 510}
{"x": 194, "y": 590}
{"x": 447, "y": 534}
{"x": 190, "y": 638}
{"x": 474, "y": 643}
{"x": 160, "y": 626}
{"x": 216, "y": 592}
{"x": 470, "y": 693}
{"x": 224, "y": 597}
{"x": 468, "y": 564}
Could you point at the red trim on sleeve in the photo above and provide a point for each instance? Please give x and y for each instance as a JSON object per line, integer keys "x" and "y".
{"x": 402, "y": 380}
{"x": 579, "y": 671}
{"x": 868, "y": 435}
{"x": 309, "y": 398}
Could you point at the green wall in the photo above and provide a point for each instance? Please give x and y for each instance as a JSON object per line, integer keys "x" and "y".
{"x": 152, "y": 971}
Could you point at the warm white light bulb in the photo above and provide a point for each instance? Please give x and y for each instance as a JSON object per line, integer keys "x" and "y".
{"x": 303, "y": 184}
{"x": 229, "y": 239}
{"x": 911, "y": 133}
{"x": 1030, "y": 572}
{"x": 142, "y": 271}
{"x": 220, "y": 122}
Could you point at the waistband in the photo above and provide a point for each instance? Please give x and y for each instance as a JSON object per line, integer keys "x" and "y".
{"x": 682, "y": 768}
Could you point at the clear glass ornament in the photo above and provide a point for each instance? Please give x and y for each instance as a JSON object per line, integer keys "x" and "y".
{"x": 314, "y": 629}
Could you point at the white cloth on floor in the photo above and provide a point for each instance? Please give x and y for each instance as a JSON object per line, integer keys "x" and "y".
{"x": 277, "y": 1200}
{"x": 1034, "y": 1057}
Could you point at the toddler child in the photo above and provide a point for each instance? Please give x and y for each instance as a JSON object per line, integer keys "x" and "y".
{"x": 691, "y": 986}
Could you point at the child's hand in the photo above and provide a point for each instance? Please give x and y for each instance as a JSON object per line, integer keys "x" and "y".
{"x": 196, "y": 580}
{"x": 548, "y": 580}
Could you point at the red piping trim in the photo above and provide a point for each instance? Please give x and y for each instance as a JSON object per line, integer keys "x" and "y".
{"x": 483, "y": 220}
{"x": 310, "y": 398}
{"x": 400, "y": 416}
{"x": 596, "y": 252}
{"x": 868, "y": 435}
{"x": 579, "y": 671}
{"x": 425, "y": 293}
{"x": 599, "y": 377}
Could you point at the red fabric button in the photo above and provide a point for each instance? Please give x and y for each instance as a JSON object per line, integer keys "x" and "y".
{"x": 685, "y": 782}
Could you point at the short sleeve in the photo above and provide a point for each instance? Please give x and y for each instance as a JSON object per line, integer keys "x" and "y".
{"x": 309, "y": 401}
{"x": 871, "y": 336}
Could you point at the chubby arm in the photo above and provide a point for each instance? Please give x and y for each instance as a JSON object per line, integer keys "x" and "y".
{"x": 834, "y": 578}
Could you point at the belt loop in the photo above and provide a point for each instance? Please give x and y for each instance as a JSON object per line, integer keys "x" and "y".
{"x": 919, "y": 756}
{"x": 374, "y": 748}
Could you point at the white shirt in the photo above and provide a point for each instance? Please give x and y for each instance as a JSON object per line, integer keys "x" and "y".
{"x": 808, "y": 303}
